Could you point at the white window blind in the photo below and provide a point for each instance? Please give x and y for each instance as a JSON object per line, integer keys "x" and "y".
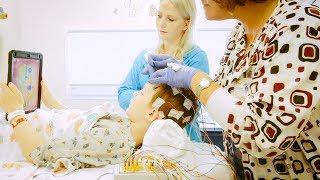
{"x": 99, "y": 60}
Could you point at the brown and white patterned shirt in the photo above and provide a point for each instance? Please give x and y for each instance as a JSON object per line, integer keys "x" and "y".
{"x": 269, "y": 105}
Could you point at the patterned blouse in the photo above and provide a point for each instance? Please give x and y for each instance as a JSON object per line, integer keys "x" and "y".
{"x": 272, "y": 118}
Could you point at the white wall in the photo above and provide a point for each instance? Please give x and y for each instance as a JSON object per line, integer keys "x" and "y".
{"x": 9, "y": 34}
{"x": 40, "y": 25}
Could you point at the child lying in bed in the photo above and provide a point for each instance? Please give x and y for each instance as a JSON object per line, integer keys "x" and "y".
{"x": 65, "y": 140}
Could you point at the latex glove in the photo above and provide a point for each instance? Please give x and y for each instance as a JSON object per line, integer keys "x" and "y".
{"x": 156, "y": 62}
{"x": 175, "y": 75}
{"x": 11, "y": 98}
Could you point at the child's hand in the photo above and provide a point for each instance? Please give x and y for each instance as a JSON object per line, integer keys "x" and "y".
{"x": 48, "y": 98}
{"x": 11, "y": 98}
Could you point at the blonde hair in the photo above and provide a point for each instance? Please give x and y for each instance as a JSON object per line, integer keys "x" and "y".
{"x": 187, "y": 9}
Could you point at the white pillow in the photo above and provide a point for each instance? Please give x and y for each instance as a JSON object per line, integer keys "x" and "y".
{"x": 165, "y": 137}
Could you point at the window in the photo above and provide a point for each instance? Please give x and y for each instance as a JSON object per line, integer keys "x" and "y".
{"x": 98, "y": 60}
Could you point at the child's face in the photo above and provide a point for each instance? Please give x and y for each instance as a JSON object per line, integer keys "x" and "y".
{"x": 140, "y": 108}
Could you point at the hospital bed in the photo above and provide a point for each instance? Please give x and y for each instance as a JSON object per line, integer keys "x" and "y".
{"x": 13, "y": 165}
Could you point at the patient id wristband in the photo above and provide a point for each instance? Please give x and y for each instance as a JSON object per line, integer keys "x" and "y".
{"x": 18, "y": 121}
{"x": 11, "y": 116}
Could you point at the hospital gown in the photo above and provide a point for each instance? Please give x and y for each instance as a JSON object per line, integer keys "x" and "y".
{"x": 76, "y": 139}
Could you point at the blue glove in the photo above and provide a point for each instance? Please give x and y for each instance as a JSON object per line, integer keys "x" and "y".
{"x": 156, "y": 62}
{"x": 175, "y": 75}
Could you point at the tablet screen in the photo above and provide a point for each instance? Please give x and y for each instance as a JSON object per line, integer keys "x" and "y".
{"x": 25, "y": 75}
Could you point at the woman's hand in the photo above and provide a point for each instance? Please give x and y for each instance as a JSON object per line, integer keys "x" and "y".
{"x": 156, "y": 62}
{"x": 11, "y": 98}
{"x": 175, "y": 75}
{"x": 166, "y": 70}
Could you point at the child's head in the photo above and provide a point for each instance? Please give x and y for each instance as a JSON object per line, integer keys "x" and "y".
{"x": 163, "y": 102}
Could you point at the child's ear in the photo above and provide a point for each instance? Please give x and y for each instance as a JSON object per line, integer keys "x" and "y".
{"x": 152, "y": 115}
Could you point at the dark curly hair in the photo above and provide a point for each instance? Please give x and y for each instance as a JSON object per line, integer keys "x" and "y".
{"x": 231, "y": 4}
{"x": 176, "y": 101}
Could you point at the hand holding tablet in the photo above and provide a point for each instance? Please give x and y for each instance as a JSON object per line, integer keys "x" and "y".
{"x": 24, "y": 71}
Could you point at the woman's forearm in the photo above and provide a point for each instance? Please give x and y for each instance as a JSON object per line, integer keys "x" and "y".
{"x": 27, "y": 137}
{"x": 205, "y": 93}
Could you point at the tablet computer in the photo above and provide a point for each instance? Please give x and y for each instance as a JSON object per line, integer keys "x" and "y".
{"x": 25, "y": 70}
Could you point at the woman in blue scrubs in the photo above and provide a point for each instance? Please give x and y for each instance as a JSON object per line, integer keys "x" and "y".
{"x": 174, "y": 24}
